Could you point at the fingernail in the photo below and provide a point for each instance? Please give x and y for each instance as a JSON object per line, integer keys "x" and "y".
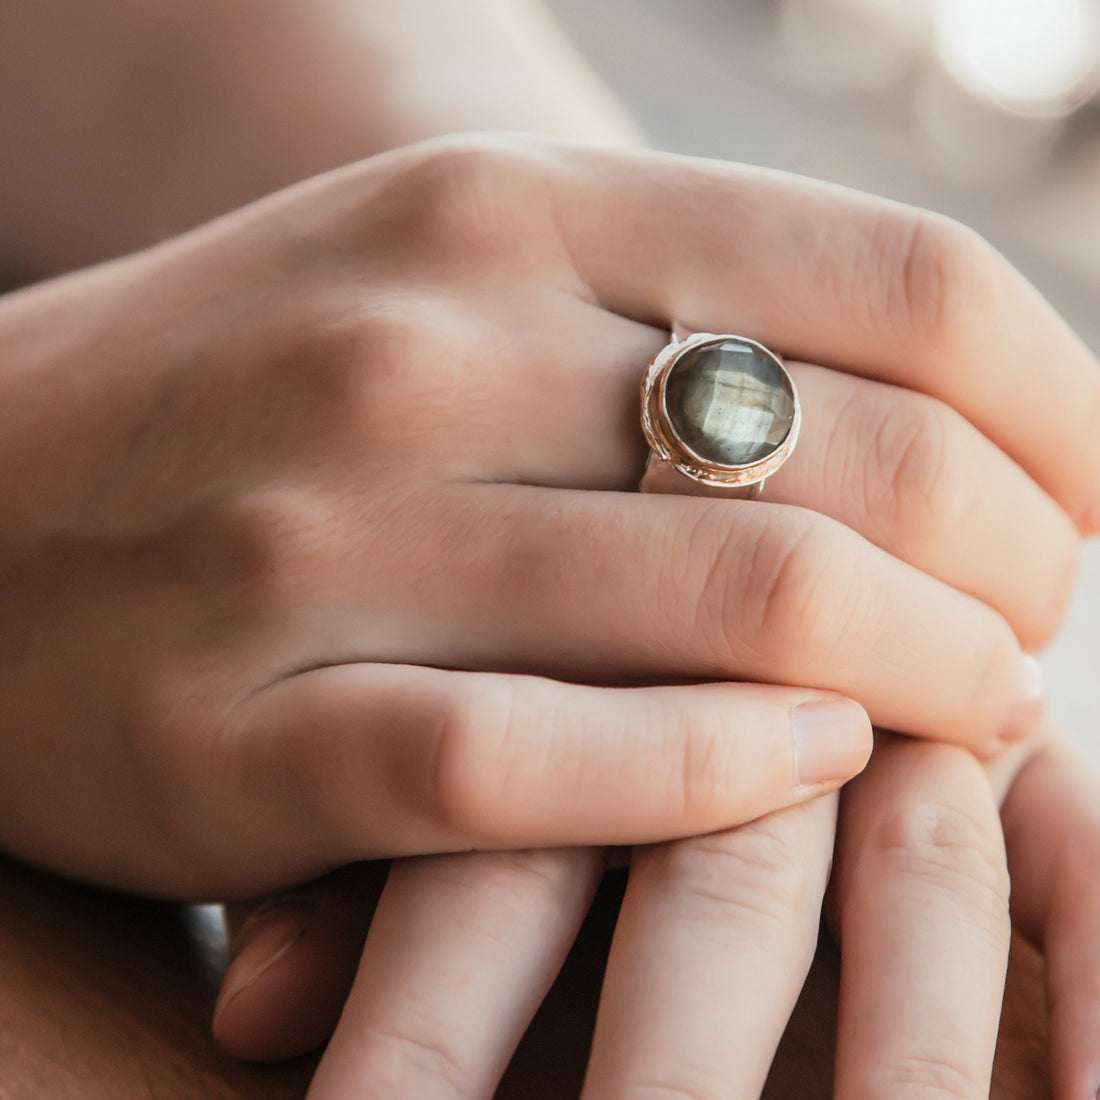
{"x": 1031, "y": 697}
{"x": 1090, "y": 518}
{"x": 832, "y": 740}
{"x": 265, "y": 937}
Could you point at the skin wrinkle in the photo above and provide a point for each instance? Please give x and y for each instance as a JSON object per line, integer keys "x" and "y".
{"x": 668, "y": 1090}
{"x": 706, "y": 768}
{"x": 854, "y": 466}
{"x": 829, "y": 614}
{"x": 935, "y": 834}
{"x": 764, "y": 577}
{"x": 753, "y": 872}
{"x": 933, "y": 1071}
{"x": 720, "y": 593}
{"x": 476, "y": 729}
{"x": 910, "y": 448}
{"x": 432, "y": 1055}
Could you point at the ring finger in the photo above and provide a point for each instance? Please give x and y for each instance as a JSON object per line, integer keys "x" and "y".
{"x": 903, "y": 469}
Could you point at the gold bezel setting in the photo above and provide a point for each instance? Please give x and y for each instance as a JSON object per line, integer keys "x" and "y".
{"x": 666, "y": 443}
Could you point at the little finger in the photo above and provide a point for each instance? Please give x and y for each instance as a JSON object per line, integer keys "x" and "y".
{"x": 1052, "y": 833}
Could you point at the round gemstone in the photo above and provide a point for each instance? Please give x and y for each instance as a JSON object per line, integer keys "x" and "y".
{"x": 730, "y": 402}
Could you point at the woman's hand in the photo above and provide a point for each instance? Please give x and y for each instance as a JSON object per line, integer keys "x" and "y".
{"x": 1052, "y": 833}
{"x": 712, "y": 944}
{"x": 331, "y": 451}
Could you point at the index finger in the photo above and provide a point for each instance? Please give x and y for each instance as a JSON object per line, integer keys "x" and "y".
{"x": 831, "y": 276}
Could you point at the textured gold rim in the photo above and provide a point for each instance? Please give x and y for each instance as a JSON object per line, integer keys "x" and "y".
{"x": 666, "y": 443}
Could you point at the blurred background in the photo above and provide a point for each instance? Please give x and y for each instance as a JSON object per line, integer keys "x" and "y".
{"x": 987, "y": 110}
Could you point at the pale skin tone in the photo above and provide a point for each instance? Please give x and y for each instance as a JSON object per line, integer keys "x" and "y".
{"x": 312, "y": 506}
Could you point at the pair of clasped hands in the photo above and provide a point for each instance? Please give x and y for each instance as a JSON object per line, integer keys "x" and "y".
{"x": 321, "y": 545}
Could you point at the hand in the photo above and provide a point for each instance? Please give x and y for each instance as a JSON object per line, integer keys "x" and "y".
{"x": 1052, "y": 832}
{"x": 719, "y": 929}
{"x": 462, "y": 949}
{"x": 920, "y": 904}
{"x": 328, "y": 453}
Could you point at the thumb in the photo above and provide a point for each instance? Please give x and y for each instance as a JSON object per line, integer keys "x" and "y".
{"x": 294, "y": 956}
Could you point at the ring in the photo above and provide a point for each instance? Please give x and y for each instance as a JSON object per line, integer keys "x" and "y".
{"x": 721, "y": 411}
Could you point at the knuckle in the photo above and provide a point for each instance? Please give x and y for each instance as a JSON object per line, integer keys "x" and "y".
{"x": 941, "y": 279}
{"x": 392, "y": 345}
{"x": 309, "y": 371}
{"x": 1055, "y": 590}
{"x": 700, "y": 790}
{"x": 473, "y": 760}
{"x": 995, "y": 659}
{"x": 680, "y": 1087}
{"x": 524, "y": 874}
{"x": 951, "y": 837}
{"x": 934, "y": 1074}
{"x": 754, "y": 872}
{"x": 802, "y": 596}
{"x": 923, "y": 488}
{"x": 419, "y": 1057}
{"x": 254, "y": 551}
{"x": 471, "y": 187}
{"x": 709, "y": 581}
{"x": 405, "y": 361}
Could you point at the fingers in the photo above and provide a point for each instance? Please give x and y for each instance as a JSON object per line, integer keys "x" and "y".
{"x": 904, "y": 470}
{"x": 714, "y": 940}
{"x": 614, "y": 586}
{"x": 921, "y": 889}
{"x": 830, "y": 276}
{"x": 1052, "y": 833}
{"x": 461, "y": 952}
{"x": 354, "y": 762}
{"x": 913, "y": 477}
{"x": 294, "y": 957}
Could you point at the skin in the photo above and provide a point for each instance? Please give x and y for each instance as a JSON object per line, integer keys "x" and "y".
{"x": 916, "y": 500}
{"x": 716, "y": 929}
{"x": 229, "y": 560}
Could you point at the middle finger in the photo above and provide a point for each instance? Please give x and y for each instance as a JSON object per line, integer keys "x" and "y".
{"x": 913, "y": 477}
{"x": 713, "y": 943}
{"x": 903, "y": 469}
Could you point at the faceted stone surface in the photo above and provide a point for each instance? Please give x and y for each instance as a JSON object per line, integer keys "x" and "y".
{"x": 729, "y": 403}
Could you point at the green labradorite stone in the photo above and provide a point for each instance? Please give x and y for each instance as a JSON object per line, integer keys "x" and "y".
{"x": 729, "y": 402}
